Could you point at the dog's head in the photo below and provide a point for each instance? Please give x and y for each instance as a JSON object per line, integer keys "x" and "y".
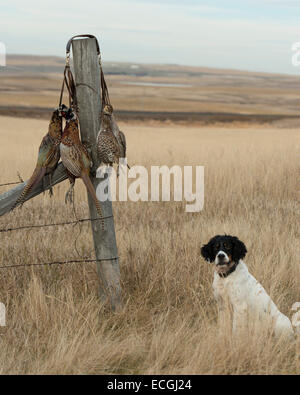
{"x": 225, "y": 251}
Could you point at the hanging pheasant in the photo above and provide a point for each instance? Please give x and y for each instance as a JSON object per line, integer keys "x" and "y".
{"x": 48, "y": 156}
{"x": 110, "y": 147}
{"x": 76, "y": 158}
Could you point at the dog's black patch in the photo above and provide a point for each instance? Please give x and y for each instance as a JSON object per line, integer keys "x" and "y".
{"x": 233, "y": 247}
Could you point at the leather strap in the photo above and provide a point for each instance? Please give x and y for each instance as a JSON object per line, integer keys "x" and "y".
{"x": 68, "y": 79}
{"x": 68, "y": 48}
{"x": 105, "y": 95}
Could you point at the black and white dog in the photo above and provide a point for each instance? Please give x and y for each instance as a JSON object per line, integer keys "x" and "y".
{"x": 237, "y": 289}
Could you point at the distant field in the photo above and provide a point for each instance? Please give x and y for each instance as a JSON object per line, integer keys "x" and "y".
{"x": 168, "y": 325}
{"x": 34, "y": 83}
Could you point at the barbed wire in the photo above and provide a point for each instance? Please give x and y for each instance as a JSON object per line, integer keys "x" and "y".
{"x": 15, "y": 182}
{"x": 54, "y": 224}
{"x": 58, "y": 262}
{"x": 81, "y": 220}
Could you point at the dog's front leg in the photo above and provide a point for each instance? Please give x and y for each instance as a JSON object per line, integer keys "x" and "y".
{"x": 223, "y": 315}
{"x": 240, "y": 319}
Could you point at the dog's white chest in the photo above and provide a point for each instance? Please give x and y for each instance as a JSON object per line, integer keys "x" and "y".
{"x": 232, "y": 288}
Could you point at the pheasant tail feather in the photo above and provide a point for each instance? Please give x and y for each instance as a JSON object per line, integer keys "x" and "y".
{"x": 36, "y": 177}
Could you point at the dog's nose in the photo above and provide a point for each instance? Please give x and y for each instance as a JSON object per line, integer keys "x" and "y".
{"x": 221, "y": 255}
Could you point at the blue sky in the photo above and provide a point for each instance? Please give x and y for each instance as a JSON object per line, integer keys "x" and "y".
{"x": 246, "y": 34}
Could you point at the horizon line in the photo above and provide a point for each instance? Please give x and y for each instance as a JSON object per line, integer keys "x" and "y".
{"x": 166, "y": 64}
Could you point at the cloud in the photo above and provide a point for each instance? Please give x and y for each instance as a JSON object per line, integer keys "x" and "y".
{"x": 152, "y": 31}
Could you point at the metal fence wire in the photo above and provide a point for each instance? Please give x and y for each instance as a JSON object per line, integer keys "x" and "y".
{"x": 35, "y": 226}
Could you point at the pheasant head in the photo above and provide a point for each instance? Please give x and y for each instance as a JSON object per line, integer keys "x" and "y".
{"x": 62, "y": 109}
{"x": 70, "y": 115}
{"x": 108, "y": 109}
{"x": 55, "y": 126}
{"x": 72, "y": 126}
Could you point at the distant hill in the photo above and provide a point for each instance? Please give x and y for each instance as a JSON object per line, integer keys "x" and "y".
{"x": 31, "y": 84}
{"x": 52, "y": 64}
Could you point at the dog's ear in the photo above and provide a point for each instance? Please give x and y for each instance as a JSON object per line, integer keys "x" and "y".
{"x": 239, "y": 249}
{"x": 207, "y": 251}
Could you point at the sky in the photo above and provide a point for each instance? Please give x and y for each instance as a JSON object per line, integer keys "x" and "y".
{"x": 255, "y": 35}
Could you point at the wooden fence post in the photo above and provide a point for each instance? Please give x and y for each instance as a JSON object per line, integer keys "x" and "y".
{"x": 87, "y": 79}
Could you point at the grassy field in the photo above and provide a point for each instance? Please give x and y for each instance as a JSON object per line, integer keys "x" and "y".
{"x": 168, "y": 325}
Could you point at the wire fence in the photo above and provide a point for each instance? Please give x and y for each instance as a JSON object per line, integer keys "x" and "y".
{"x": 15, "y": 182}
{"x": 36, "y": 226}
{"x": 54, "y": 224}
{"x": 57, "y": 262}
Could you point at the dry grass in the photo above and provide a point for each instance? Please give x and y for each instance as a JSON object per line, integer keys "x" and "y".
{"x": 55, "y": 323}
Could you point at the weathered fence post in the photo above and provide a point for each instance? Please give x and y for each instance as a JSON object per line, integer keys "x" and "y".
{"x": 87, "y": 79}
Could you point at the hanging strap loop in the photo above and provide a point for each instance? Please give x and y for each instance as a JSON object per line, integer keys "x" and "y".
{"x": 68, "y": 47}
{"x": 104, "y": 89}
{"x": 68, "y": 79}
{"x": 65, "y": 82}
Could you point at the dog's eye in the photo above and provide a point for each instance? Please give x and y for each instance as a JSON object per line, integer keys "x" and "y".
{"x": 217, "y": 246}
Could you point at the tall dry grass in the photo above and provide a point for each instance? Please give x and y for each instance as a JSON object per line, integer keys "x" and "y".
{"x": 55, "y": 322}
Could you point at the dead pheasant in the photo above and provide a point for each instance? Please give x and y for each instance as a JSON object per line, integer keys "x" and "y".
{"x": 48, "y": 156}
{"x": 76, "y": 158}
{"x": 110, "y": 148}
